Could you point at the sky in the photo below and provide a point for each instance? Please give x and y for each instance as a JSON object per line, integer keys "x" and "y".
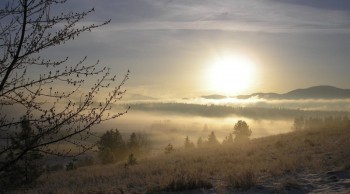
{"x": 172, "y": 47}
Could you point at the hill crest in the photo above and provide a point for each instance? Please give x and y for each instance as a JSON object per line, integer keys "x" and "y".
{"x": 315, "y": 92}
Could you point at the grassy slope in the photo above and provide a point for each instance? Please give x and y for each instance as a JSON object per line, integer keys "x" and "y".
{"x": 272, "y": 164}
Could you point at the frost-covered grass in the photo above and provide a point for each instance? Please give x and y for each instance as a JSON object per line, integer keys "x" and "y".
{"x": 270, "y": 161}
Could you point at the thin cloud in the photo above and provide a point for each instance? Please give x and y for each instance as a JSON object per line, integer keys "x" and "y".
{"x": 239, "y": 15}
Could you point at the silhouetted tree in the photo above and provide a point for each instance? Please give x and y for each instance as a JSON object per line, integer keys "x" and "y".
{"x": 138, "y": 143}
{"x": 212, "y": 140}
{"x": 133, "y": 143}
{"x": 228, "y": 140}
{"x": 29, "y": 27}
{"x": 111, "y": 147}
{"x": 28, "y": 168}
{"x": 242, "y": 131}
{"x": 200, "y": 142}
{"x": 188, "y": 143}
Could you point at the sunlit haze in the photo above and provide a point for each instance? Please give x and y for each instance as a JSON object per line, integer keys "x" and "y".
{"x": 230, "y": 74}
{"x": 171, "y": 46}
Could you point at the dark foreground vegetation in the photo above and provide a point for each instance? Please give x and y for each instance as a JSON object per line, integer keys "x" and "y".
{"x": 313, "y": 160}
{"x": 48, "y": 106}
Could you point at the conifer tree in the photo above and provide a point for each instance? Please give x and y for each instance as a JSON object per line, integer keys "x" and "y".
{"x": 111, "y": 147}
{"x": 28, "y": 168}
{"x": 200, "y": 142}
{"x": 188, "y": 143}
{"x": 242, "y": 131}
{"x": 212, "y": 140}
{"x": 228, "y": 140}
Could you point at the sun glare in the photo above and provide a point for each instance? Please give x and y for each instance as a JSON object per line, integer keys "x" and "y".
{"x": 230, "y": 74}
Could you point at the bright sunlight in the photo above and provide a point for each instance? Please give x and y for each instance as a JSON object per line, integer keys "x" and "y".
{"x": 231, "y": 74}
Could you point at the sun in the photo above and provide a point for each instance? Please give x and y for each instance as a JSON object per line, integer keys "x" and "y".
{"x": 230, "y": 74}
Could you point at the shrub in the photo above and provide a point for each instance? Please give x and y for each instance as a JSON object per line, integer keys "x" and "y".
{"x": 169, "y": 149}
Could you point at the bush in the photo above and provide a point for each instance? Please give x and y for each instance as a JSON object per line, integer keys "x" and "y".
{"x": 169, "y": 149}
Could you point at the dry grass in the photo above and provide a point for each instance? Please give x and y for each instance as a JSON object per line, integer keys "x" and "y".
{"x": 238, "y": 166}
{"x": 243, "y": 180}
{"x": 186, "y": 182}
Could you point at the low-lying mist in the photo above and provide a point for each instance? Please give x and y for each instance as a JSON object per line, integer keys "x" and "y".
{"x": 163, "y": 129}
{"x": 304, "y": 104}
{"x": 171, "y": 121}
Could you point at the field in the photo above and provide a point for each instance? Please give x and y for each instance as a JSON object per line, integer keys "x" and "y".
{"x": 298, "y": 162}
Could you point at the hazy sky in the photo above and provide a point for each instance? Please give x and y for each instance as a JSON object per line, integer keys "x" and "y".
{"x": 171, "y": 45}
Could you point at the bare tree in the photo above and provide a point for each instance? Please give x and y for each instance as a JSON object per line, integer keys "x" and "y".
{"x": 28, "y": 27}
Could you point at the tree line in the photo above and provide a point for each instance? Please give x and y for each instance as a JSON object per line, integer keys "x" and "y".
{"x": 113, "y": 148}
{"x": 212, "y": 110}
{"x": 330, "y": 122}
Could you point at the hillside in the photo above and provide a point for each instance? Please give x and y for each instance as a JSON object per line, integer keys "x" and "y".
{"x": 323, "y": 92}
{"x": 299, "y": 162}
{"x": 316, "y": 92}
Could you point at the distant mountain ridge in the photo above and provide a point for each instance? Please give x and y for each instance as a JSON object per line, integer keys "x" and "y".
{"x": 316, "y": 92}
